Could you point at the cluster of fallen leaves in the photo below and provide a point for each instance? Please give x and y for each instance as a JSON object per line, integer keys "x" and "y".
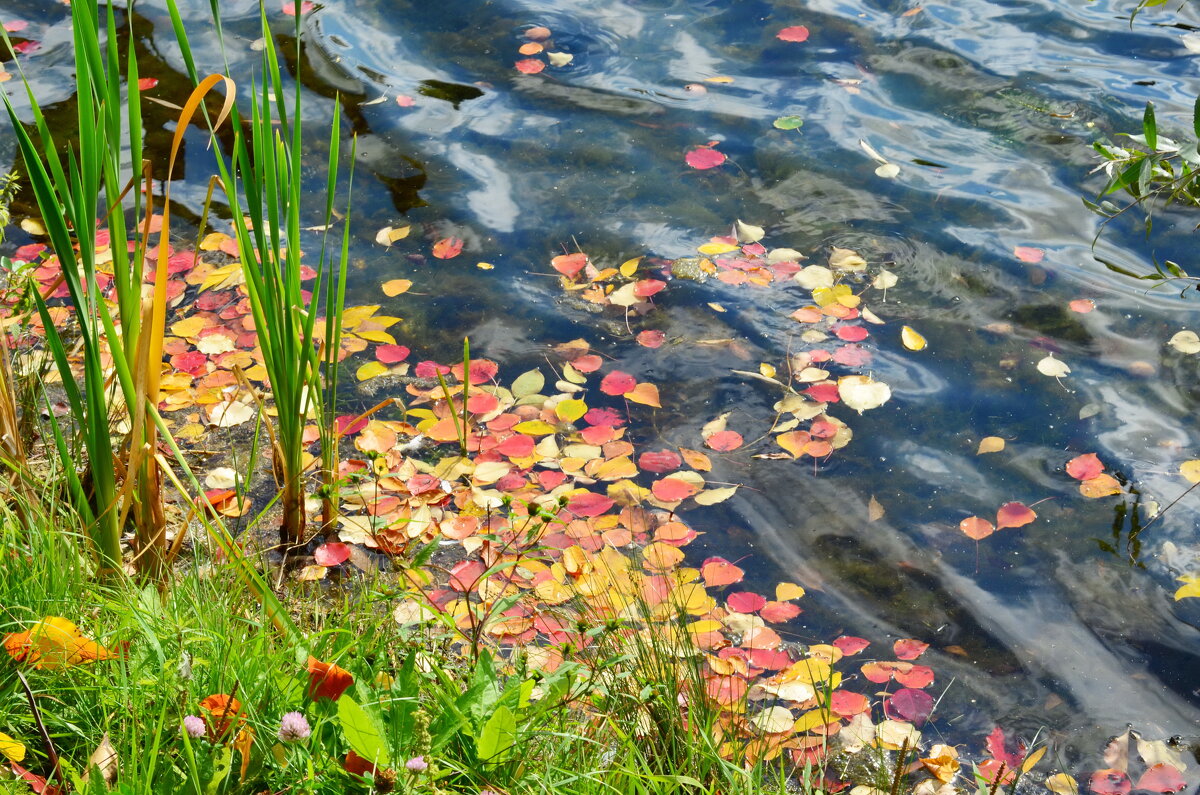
{"x": 834, "y": 325}
{"x": 539, "y": 41}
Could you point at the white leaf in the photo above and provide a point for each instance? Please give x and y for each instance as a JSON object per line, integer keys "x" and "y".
{"x": 774, "y": 720}
{"x": 559, "y": 58}
{"x": 1055, "y": 368}
{"x": 221, "y": 478}
{"x": 861, "y": 392}
{"x": 878, "y": 158}
{"x": 748, "y": 233}
{"x": 888, "y": 171}
{"x": 814, "y": 277}
{"x": 1185, "y": 342}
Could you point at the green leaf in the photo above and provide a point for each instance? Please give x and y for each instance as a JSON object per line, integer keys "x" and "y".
{"x": 361, "y": 732}
{"x": 1196, "y": 117}
{"x": 1149, "y": 127}
{"x": 499, "y": 736}
{"x": 528, "y": 383}
{"x": 788, "y": 123}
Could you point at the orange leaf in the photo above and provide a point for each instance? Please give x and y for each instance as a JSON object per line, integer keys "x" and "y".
{"x": 646, "y": 394}
{"x": 1084, "y": 467}
{"x": 55, "y": 642}
{"x": 326, "y": 680}
{"x": 718, "y": 572}
{"x": 696, "y": 459}
{"x": 976, "y": 528}
{"x": 1100, "y": 486}
{"x": 447, "y": 247}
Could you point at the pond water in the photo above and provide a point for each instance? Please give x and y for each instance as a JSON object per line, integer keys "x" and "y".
{"x": 1067, "y": 623}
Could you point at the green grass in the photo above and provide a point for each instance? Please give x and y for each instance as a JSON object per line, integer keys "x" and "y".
{"x": 612, "y": 725}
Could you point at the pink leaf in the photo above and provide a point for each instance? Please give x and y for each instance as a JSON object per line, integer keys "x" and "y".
{"x": 794, "y": 33}
{"x": 332, "y": 554}
{"x": 1110, "y": 782}
{"x": 569, "y": 265}
{"x": 390, "y": 354}
{"x": 745, "y": 602}
{"x": 1084, "y": 467}
{"x": 909, "y": 649}
{"x": 848, "y": 644}
{"x": 651, "y": 338}
{"x": 617, "y": 383}
{"x": 1161, "y": 778}
{"x": 1029, "y": 254}
{"x": 910, "y": 705}
{"x": 704, "y": 157}
{"x": 529, "y": 66}
{"x": 664, "y": 461}
{"x": 589, "y": 504}
{"x": 1014, "y": 514}
{"x": 724, "y": 441}
{"x": 447, "y": 247}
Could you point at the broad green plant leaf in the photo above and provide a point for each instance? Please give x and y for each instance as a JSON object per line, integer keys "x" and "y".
{"x": 361, "y": 731}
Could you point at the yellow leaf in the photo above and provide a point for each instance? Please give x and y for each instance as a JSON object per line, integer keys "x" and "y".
{"x": 375, "y": 335}
{"x": 485, "y": 266}
{"x": 714, "y": 496}
{"x": 394, "y": 287}
{"x": 1062, "y": 784}
{"x": 1032, "y": 760}
{"x": 1191, "y": 470}
{"x": 786, "y": 591}
{"x": 371, "y": 370}
{"x": 767, "y": 369}
{"x": 353, "y": 315}
{"x": 189, "y": 327}
{"x": 911, "y": 339}
{"x": 570, "y": 410}
{"x": 629, "y": 267}
{"x": 1190, "y": 588}
{"x": 390, "y": 234}
{"x": 696, "y": 459}
{"x": 213, "y": 240}
{"x": 717, "y": 248}
{"x": 718, "y": 79}
{"x": 11, "y": 749}
{"x": 990, "y": 444}
{"x": 534, "y": 428}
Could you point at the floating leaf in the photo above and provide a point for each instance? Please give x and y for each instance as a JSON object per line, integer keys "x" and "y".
{"x": 748, "y": 233}
{"x": 1191, "y": 470}
{"x": 909, "y": 648}
{"x": 395, "y": 287}
{"x": 448, "y": 247}
{"x": 788, "y": 123}
{"x": 774, "y": 720}
{"x": 887, "y": 171}
{"x": 1185, "y": 342}
{"x": 724, "y": 441}
{"x": 529, "y": 66}
{"x": 862, "y": 393}
{"x": 911, "y": 339}
{"x": 1028, "y": 254}
{"x": 990, "y": 444}
{"x": 704, "y": 157}
{"x": 1082, "y": 306}
{"x": 1100, "y": 486}
{"x": 796, "y": 33}
{"x": 976, "y": 528}
{"x": 1055, "y": 368}
{"x": 714, "y": 496}
{"x": 569, "y": 265}
{"x": 1014, "y": 514}
{"x": 1062, "y": 784}
{"x": 390, "y": 234}
{"x": 1190, "y": 588}
{"x": 1084, "y": 467}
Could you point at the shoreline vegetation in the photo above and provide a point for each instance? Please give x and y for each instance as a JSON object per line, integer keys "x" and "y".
{"x": 480, "y": 584}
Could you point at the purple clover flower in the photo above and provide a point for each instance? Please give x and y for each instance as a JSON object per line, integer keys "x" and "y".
{"x": 417, "y": 764}
{"x": 194, "y": 726}
{"x": 293, "y": 727}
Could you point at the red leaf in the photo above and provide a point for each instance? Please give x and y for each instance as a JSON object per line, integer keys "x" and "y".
{"x": 659, "y": 462}
{"x": 776, "y": 612}
{"x": 146, "y": 83}
{"x": 910, "y": 705}
{"x": 1161, "y": 778}
{"x": 976, "y": 528}
{"x": 447, "y": 247}
{"x": 617, "y": 383}
{"x": 569, "y": 265}
{"x": 390, "y": 354}
{"x": 332, "y": 554}
{"x": 724, "y": 441}
{"x": 465, "y": 574}
{"x": 997, "y": 746}
{"x": 1082, "y": 305}
{"x": 651, "y": 338}
{"x": 428, "y": 369}
{"x": 1029, "y": 254}
{"x": 192, "y": 362}
{"x": 518, "y": 446}
{"x": 36, "y": 782}
{"x": 909, "y": 649}
{"x": 1110, "y": 782}
{"x": 745, "y": 602}
{"x": 1013, "y": 514}
{"x": 917, "y": 676}
{"x": 648, "y": 287}
{"x": 848, "y": 703}
{"x": 405, "y": 101}
{"x": 795, "y": 33}
{"x": 1084, "y": 467}
{"x": 529, "y": 66}
{"x": 589, "y": 504}
{"x": 849, "y": 644}
{"x": 16, "y": 26}
{"x": 673, "y": 489}
{"x": 704, "y": 157}
{"x": 851, "y": 333}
